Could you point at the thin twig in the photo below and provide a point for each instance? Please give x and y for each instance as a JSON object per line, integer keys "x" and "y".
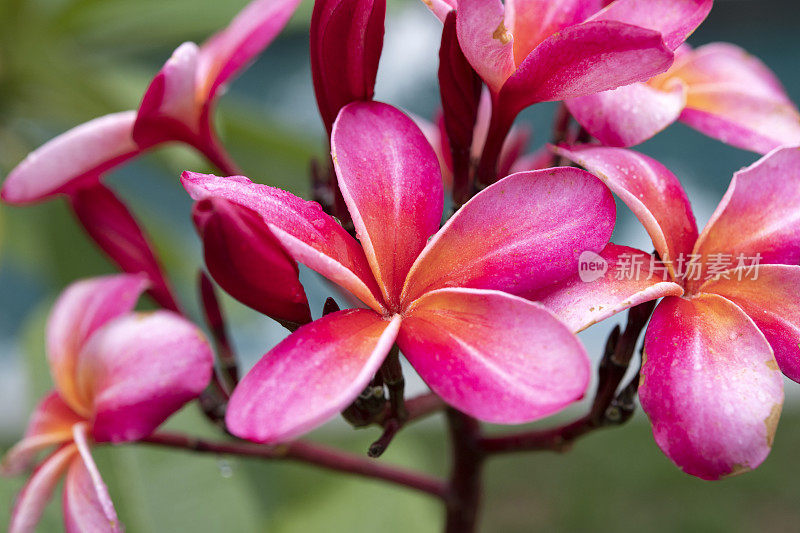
{"x": 390, "y": 429}
{"x": 422, "y": 406}
{"x": 308, "y": 453}
{"x": 416, "y": 408}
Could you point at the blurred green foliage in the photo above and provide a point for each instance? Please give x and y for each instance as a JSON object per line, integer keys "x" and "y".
{"x": 63, "y": 62}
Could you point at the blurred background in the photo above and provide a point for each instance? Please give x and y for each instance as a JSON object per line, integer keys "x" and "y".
{"x": 63, "y": 62}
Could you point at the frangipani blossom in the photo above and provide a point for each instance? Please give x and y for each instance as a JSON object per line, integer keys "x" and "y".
{"x": 718, "y": 89}
{"x": 530, "y": 51}
{"x": 118, "y": 376}
{"x": 177, "y": 106}
{"x": 449, "y": 297}
{"x": 711, "y": 379}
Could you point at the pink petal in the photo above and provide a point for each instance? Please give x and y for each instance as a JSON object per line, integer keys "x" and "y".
{"x": 513, "y": 148}
{"x": 580, "y": 304}
{"x": 585, "y": 59}
{"x": 628, "y": 115}
{"x": 494, "y": 356}
{"x": 82, "y": 309}
{"x": 727, "y": 66}
{"x": 170, "y": 109}
{"x": 522, "y": 233}
{"x": 50, "y": 424}
{"x": 230, "y": 51}
{"x": 311, "y": 376}
{"x": 674, "y": 19}
{"x": 769, "y": 297}
{"x": 533, "y": 21}
{"x": 710, "y": 386}
{"x": 248, "y": 262}
{"x": 33, "y": 498}
{"x": 743, "y": 120}
{"x": 87, "y": 505}
{"x": 115, "y": 230}
{"x": 346, "y": 45}
{"x": 759, "y": 214}
{"x": 482, "y": 122}
{"x": 441, "y": 8}
{"x": 436, "y": 135}
{"x": 72, "y": 159}
{"x": 390, "y": 180}
{"x": 734, "y": 97}
{"x": 138, "y": 370}
{"x": 485, "y": 40}
{"x": 649, "y": 189}
{"x": 305, "y": 231}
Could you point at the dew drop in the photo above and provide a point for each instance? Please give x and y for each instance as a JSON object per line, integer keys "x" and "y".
{"x": 225, "y": 468}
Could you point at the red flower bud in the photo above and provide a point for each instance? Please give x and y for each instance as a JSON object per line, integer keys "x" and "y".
{"x": 248, "y": 262}
{"x": 346, "y": 45}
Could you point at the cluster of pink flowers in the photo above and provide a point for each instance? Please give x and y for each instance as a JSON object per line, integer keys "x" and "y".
{"x": 118, "y": 375}
{"x": 485, "y": 306}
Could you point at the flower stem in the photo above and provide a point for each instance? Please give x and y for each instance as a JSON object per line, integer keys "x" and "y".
{"x": 228, "y": 372}
{"x": 305, "y": 452}
{"x": 499, "y": 127}
{"x": 561, "y": 124}
{"x": 216, "y": 154}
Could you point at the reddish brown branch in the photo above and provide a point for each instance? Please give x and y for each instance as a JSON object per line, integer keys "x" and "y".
{"x": 608, "y": 408}
{"x": 464, "y": 488}
{"x": 422, "y": 406}
{"x": 307, "y": 453}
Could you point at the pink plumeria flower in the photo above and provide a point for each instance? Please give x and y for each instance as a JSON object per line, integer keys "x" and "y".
{"x": 118, "y": 376}
{"x": 719, "y": 89}
{"x": 177, "y": 106}
{"x": 711, "y": 380}
{"x": 449, "y": 297}
{"x": 530, "y": 51}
